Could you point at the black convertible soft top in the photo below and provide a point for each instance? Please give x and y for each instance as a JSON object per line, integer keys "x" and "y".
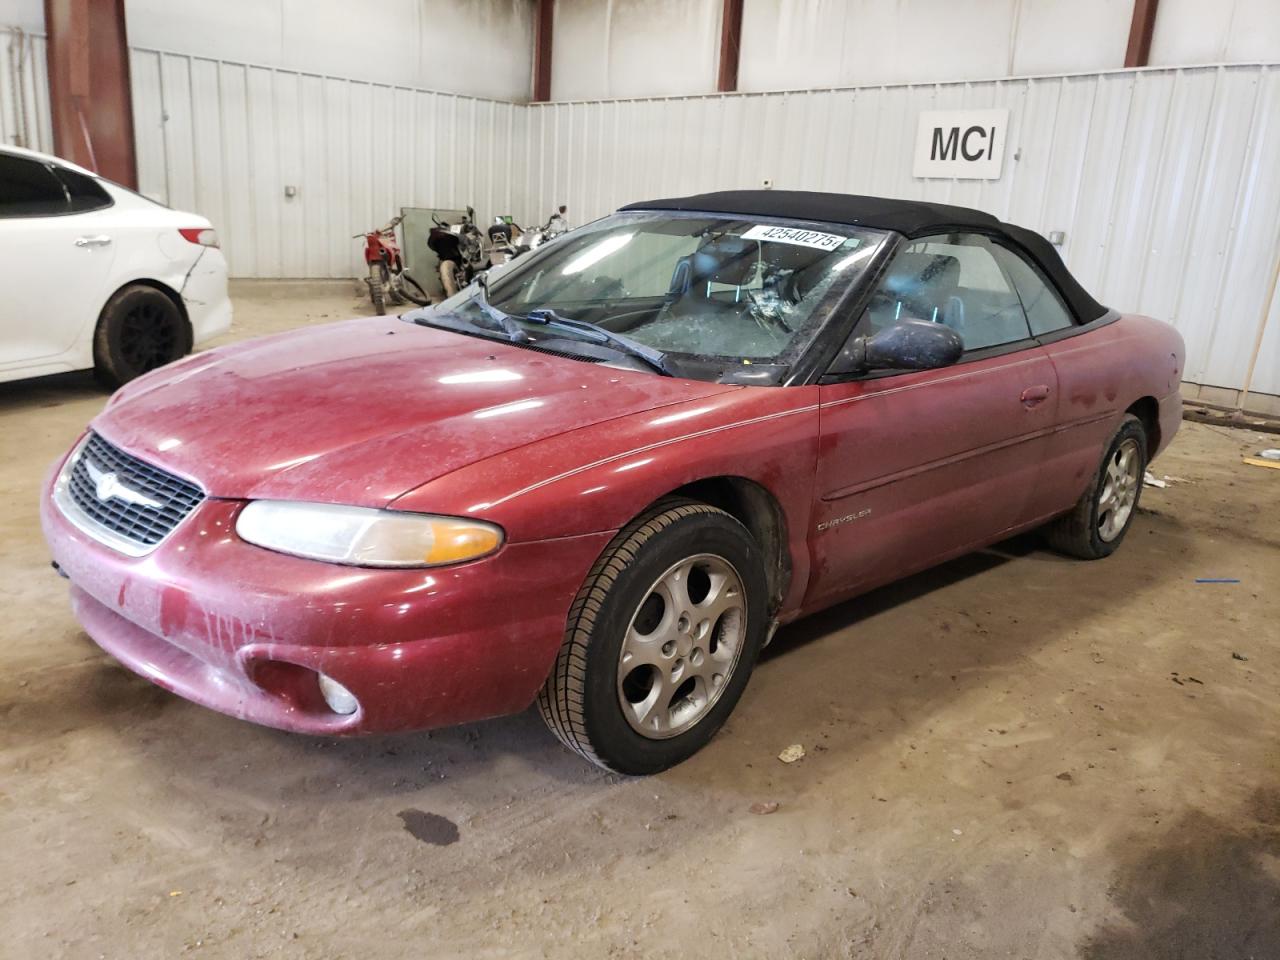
{"x": 911, "y": 218}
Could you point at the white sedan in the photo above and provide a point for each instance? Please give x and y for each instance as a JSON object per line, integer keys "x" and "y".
{"x": 97, "y": 276}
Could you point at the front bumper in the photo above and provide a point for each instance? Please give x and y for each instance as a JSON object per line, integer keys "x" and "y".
{"x": 244, "y": 630}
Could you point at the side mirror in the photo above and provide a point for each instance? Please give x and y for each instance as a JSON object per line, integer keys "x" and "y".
{"x": 908, "y": 345}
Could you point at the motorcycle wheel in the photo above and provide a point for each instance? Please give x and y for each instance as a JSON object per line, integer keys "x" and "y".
{"x": 376, "y": 293}
{"x": 449, "y": 277}
{"x": 392, "y": 283}
{"x": 410, "y": 289}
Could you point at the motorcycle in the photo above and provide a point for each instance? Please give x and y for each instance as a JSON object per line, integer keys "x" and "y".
{"x": 461, "y": 249}
{"x": 555, "y": 226}
{"x": 387, "y": 276}
{"x": 502, "y": 243}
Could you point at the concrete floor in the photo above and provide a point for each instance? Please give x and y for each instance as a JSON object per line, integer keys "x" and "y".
{"x": 1014, "y": 755}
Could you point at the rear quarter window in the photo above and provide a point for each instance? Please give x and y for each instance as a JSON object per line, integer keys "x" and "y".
{"x": 85, "y": 193}
{"x": 1045, "y": 309}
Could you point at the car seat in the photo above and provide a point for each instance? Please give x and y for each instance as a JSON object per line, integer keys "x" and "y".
{"x": 731, "y": 261}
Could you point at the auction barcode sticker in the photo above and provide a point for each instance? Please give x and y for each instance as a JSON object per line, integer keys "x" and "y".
{"x": 801, "y": 238}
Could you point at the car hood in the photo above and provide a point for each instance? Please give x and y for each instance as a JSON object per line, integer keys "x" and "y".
{"x": 363, "y": 411}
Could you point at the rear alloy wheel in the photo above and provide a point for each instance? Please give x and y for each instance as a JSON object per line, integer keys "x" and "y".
{"x": 140, "y": 329}
{"x": 661, "y": 640}
{"x": 1099, "y": 521}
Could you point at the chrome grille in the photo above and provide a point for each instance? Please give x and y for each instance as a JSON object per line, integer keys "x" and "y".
{"x": 136, "y": 510}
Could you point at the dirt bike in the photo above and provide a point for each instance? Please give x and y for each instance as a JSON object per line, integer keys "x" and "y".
{"x": 461, "y": 249}
{"x": 387, "y": 276}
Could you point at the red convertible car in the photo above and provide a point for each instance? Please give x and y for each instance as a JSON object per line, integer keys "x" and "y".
{"x": 603, "y": 478}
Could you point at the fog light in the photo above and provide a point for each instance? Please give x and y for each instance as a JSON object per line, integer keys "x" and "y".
{"x": 339, "y": 698}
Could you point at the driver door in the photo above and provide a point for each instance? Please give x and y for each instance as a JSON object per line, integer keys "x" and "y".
{"x": 918, "y": 466}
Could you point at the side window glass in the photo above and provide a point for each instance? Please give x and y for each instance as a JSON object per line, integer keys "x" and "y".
{"x": 28, "y": 188}
{"x": 955, "y": 280}
{"x": 86, "y": 193}
{"x": 1045, "y": 312}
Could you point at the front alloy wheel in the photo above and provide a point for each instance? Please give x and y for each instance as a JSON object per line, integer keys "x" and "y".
{"x": 661, "y": 639}
{"x": 682, "y": 646}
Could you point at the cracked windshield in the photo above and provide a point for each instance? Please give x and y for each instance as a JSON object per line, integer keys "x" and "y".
{"x": 700, "y": 286}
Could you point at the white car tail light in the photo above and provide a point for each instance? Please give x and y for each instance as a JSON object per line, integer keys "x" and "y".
{"x": 205, "y": 236}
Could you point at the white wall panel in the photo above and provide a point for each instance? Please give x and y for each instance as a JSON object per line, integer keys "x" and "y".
{"x": 627, "y": 48}
{"x": 225, "y": 139}
{"x": 1225, "y": 31}
{"x": 635, "y": 48}
{"x": 25, "y": 15}
{"x": 24, "y": 91}
{"x": 478, "y": 47}
{"x": 1164, "y": 180}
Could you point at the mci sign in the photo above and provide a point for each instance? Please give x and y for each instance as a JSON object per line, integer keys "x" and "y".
{"x": 961, "y": 144}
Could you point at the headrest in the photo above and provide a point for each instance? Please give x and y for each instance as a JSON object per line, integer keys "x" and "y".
{"x": 728, "y": 260}
{"x": 911, "y": 273}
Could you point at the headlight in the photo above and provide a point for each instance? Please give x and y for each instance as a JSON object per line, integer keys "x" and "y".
{"x": 364, "y": 537}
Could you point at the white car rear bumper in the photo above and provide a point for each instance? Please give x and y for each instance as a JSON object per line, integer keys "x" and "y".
{"x": 205, "y": 296}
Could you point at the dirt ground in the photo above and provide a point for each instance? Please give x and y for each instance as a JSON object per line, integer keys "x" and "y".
{"x": 1014, "y": 755}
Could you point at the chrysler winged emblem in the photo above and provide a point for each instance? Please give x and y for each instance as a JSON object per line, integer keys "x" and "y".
{"x": 107, "y": 485}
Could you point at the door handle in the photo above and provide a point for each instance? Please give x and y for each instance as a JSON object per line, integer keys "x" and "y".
{"x": 99, "y": 241}
{"x": 1034, "y": 395}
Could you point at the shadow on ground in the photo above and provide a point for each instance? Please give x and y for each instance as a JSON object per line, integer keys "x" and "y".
{"x": 1211, "y": 891}
{"x": 865, "y": 606}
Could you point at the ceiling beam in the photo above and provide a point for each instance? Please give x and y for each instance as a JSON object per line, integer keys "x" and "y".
{"x": 543, "y": 20}
{"x": 1140, "y": 30}
{"x": 730, "y": 45}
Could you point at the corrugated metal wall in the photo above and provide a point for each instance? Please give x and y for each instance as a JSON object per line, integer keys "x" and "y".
{"x": 225, "y": 139}
{"x": 1167, "y": 182}
{"x": 24, "y": 91}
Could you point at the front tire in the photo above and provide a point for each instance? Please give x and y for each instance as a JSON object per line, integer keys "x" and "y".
{"x": 449, "y": 277}
{"x": 661, "y": 640}
{"x": 1100, "y": 519}
{"x": 139, "y": 330}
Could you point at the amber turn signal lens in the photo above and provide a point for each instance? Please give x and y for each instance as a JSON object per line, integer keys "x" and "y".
{"x": 456, "y": 540}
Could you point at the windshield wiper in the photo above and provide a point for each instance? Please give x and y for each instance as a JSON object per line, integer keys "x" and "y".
{"x": 592, "y": 331}
{"x": 499, "y": 322}
{"x": 506, "y": 323}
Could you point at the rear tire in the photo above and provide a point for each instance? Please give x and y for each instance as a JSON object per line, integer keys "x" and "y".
{"x": 1097, "y": 524}
{"x": 661, "y": 640}
{"x": 139, "y": 330}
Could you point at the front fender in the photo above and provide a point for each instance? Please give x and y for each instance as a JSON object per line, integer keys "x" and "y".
{"x": 595, "y": 479}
